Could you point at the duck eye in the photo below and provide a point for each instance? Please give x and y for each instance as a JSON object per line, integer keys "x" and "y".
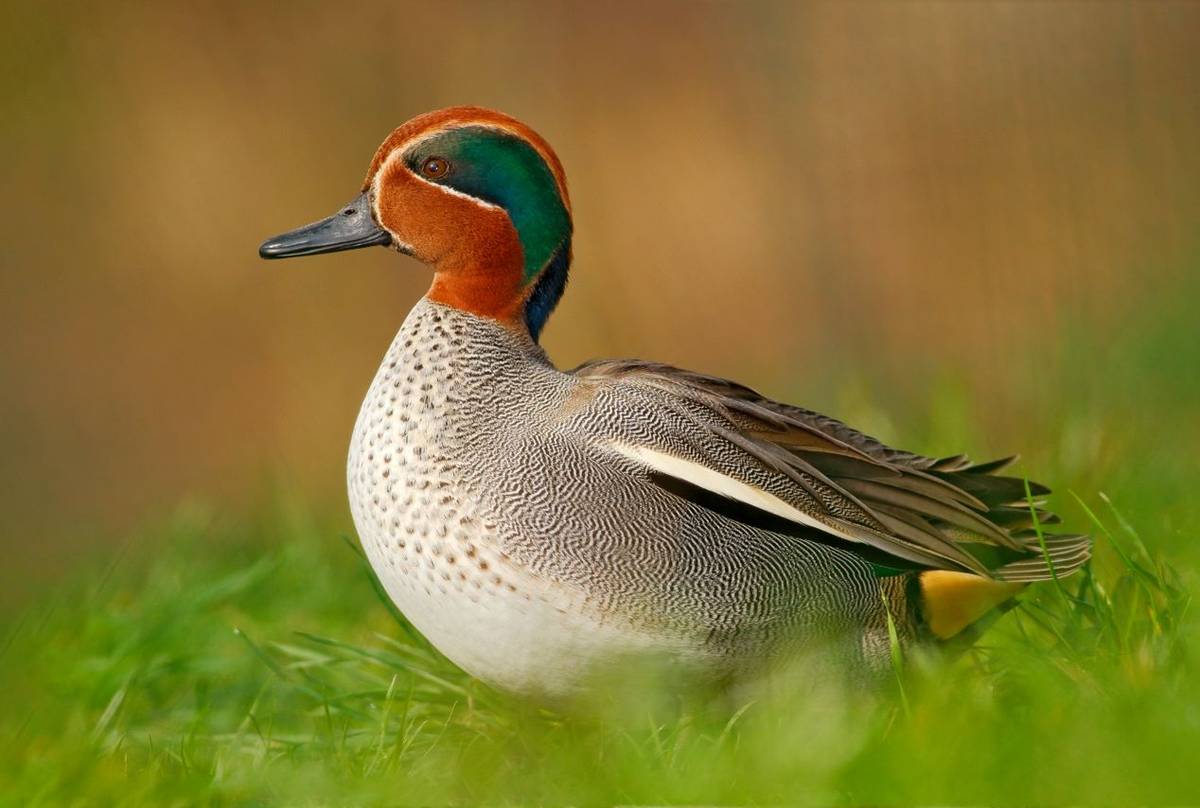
{"x": 435, "y": 167}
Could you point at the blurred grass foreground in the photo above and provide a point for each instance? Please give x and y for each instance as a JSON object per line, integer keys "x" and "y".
{"x": 959, "y": 227}
{"x": 251, "y": 677}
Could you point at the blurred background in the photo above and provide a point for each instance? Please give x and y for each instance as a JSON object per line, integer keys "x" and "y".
{"x": 906, "y": 214}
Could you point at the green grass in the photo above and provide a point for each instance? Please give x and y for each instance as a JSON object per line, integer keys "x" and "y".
{"x": 234, "y": 668}
{"x": 252, "y": 661}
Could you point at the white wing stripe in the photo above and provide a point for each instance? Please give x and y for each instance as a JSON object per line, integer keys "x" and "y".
{"x": 711, "y": 480}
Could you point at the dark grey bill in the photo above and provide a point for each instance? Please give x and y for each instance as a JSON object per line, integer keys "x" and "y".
{"x": 348, "y": 229}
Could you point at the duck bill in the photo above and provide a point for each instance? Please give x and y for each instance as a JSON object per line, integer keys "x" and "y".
{"x": 350, "y": 228}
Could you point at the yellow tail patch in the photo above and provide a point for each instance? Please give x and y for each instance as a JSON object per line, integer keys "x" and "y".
{"x": 951, "y": 601}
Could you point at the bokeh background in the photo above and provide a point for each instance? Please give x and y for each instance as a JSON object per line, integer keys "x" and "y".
{"x": 904, "y": 213}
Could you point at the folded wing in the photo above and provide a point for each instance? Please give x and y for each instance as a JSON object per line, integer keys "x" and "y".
{"x": 792, "y": 470}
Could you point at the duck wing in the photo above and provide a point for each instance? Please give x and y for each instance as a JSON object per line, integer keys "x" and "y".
{"x": 726, "y": 447}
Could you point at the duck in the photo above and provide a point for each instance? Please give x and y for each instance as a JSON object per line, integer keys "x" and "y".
{"x": 538, "y": 525}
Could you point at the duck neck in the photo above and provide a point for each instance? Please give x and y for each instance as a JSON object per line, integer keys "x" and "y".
{"x": 500, "y": 289}
{"x": 485, "y": 274}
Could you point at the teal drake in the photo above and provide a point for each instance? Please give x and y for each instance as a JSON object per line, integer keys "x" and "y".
{"x": 536, "y": 524}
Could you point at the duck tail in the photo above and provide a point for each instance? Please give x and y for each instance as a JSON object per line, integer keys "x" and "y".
{"x": 1030, "y": 553}
{"x": 1050, "y": 556}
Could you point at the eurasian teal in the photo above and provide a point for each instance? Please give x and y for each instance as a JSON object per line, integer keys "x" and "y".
{"x": 536, "y": 523}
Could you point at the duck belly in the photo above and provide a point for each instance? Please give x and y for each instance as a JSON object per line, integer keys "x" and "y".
{"x": 488, "y": 614}
{"x": 495, "y": 620}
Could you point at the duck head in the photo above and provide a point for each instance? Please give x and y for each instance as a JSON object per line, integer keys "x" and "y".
{"x": 475, "y": 194}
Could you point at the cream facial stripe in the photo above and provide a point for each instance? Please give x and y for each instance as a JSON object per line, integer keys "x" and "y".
{"x": 456, "y": 192}
{"x": 399, "y": 151}
{"x": 397, "y": 154}
{"x": 718, "y": 483}
{"x": 432, "y": 133}
{"x": 493, "y": 126}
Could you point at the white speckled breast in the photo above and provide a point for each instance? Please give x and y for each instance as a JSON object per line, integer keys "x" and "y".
{"x": 436, "y": 417}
